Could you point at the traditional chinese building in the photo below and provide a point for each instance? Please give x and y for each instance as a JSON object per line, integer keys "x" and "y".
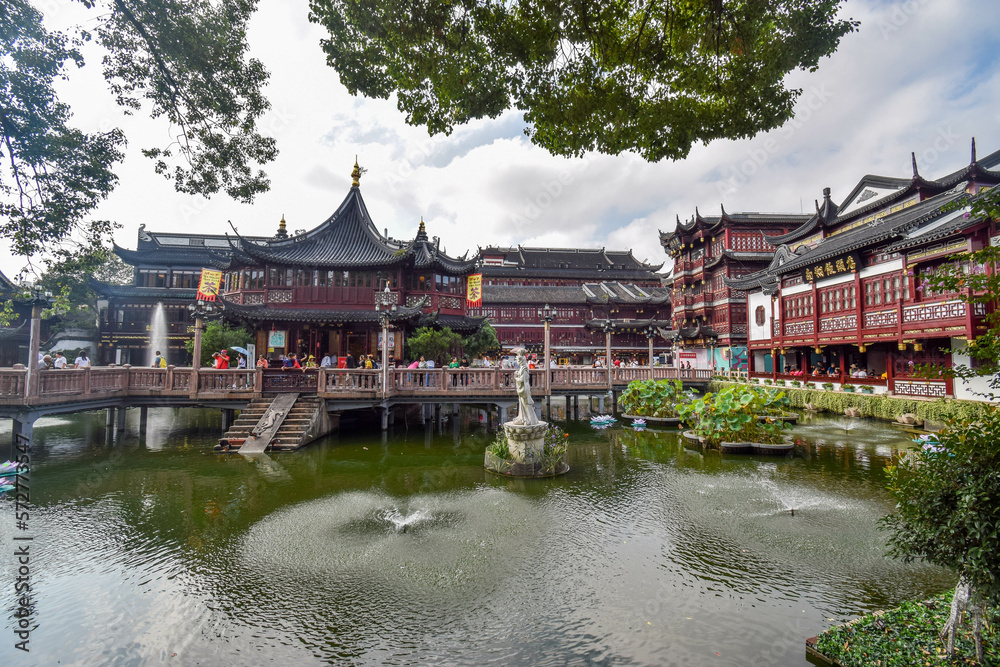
{"x": 848, "y": 288}
{"x": 586, "y": 289}
{"x": 709, "y": 317}
{"x": 315, "y": 292}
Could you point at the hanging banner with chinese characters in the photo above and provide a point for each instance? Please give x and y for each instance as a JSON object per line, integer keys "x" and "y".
{"x": 849, "y": 263}
{"x": 474, "y": 290}
{"x": 208, "y": 288}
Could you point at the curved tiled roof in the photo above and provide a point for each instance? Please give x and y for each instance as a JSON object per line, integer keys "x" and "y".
{"x": 347, "y": 239}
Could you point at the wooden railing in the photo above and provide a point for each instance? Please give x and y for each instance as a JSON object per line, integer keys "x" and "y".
{"x": 69, "y": 385}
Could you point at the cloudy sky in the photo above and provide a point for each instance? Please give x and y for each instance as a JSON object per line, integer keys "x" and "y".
{"x": 920, "y": 76}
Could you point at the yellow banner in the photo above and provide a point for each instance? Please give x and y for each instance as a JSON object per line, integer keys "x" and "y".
{"x": 474, "y": 290}
{"x": 208, "y": 288}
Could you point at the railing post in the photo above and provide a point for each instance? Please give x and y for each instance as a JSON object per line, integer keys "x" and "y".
{"x": 168, "y": 380}
{"x": 86, "y": 381}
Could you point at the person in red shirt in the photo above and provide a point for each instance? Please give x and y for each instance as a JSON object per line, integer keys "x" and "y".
{"x": 223, "y": 359}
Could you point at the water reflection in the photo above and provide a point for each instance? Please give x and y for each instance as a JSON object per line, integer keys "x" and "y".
{"x": 404, "y": 550}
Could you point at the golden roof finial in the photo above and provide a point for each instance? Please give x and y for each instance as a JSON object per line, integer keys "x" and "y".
{"x": 422, "y": 228}
{"x": 356, "y": 174}
{"x": 281, "y": 225}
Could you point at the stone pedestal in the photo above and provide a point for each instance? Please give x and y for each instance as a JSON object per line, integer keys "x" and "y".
{"x": 526, "y": 443}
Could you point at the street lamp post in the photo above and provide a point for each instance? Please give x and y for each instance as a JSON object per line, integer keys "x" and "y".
{"x": 200, "y": 310}
{"x": 39, "y": 300}
{"x": 609, "y": 327}
{"x": 546, "y": 315}
{"x": 650, "y": 334}
{"x": 385, "y": 303}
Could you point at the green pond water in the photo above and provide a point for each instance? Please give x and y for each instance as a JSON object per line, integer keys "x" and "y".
{"x": 403, "y": 550}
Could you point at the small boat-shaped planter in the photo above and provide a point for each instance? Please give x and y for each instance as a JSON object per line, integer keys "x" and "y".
{"x": 657, "y": 422}
{"x": 746, "y": 447}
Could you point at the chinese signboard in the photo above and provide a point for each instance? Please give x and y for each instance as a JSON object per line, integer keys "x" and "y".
{"x": 208, "y": 288}
{"x": 276, "y": 339}
{"x": 474, "y": 291}
{"x": 849, "y": 263}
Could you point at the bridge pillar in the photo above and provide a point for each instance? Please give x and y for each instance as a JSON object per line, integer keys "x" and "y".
{"x": 503, "y": 415}
{"x": 423, "y": 412}
{"x": 600, "y": 405}
{"x": 109, "y": 418}
{"x": 489, "y": 416}
{"x": 22, "y": 428}
{"x": 576, "y": 407}
{"x": 614, "y": 402}
{"x": 120, "y": 425}
{"x": 392, "y": 415}
{"x": 143, "y": 417}
{"x": 437, "y": 415}
{"x": 385, "y": 419}
{"x": 569, "y": 413}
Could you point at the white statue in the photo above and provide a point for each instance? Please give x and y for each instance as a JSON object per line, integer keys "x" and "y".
{"x": 525, "y": 404}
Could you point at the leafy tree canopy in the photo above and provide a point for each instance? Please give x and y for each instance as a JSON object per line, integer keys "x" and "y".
{"x": 481, "y": 342}
{"x": 947, "y": 498}
{"x": 652, "y": 77}
{"x": 69, "y": 281}
{"x": 184, "y": 60}
{"x": 219, "y": 335}
{"x": 432, "y": 343}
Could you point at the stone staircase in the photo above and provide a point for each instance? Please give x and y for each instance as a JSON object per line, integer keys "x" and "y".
{"x": 305, "y": 421}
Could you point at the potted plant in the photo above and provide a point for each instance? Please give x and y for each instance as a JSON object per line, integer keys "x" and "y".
{"x": 828, "y": 386}
{"x": 866, "y": 389}
{"x": 796, "y": 383}
{"x": 733, "y": 416}
{"x": 768, "y": 381}
{"x": 849, "y": 388}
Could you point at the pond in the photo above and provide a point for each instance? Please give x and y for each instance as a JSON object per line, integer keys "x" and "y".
{"x": 359, "y": 550}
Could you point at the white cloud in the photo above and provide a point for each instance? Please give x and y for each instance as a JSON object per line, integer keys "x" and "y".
{"x": 916, "y": 69}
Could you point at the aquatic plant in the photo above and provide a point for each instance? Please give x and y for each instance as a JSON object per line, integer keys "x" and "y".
{"x": 733, "y": 415}
{"x": 651, "y": 398}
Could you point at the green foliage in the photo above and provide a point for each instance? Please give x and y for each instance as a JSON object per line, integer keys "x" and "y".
{"x": 219, "y": 335}
{"x": 947, "y": 503}
{"x": 68, "y": 278}
{"x": 500, "y": 447}
{"x": 653, "y": 78}
{"x": 881, "y": 406}
{"x": 847, "y": 387}
{"x": 903, "y": 637}
{"x": 53, "y": 174}
{"x": 436, "y": 344}
{"x": 182, "y": 60}
{"x": 733, "y": 413}
{"x": 651, "y": 398}
{"x": 481, "y": 342}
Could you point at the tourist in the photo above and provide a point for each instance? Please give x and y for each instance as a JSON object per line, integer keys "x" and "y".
{"x": 369, "y": 362}
{"x": 81, "y": 360}
{"x": 291, "y": 362}
{"x": 46, "y": 362}
{"x": 159, "y": 361}
{"x": 831, "y": 370}
{"x": 311, "y": 362}
{"x": 223, "y": 360}
{"x": 60, "y": 361}
{"x": 422, "y": 363}
{"x": 242, "y": 362}
{"x": 350, "y": 363}
{"x": 327, "y": 361}
{"x": 862, "y": 373}
{"x": 431, "y": 363}
{"x": 262, "y": 361}
{"x": 414, "y": 364}
{"x": 453, "y": 363}
{"x": 815, "y": 371}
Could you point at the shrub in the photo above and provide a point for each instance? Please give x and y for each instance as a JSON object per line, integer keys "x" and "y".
{"x": 865, "y": 389}
{"x": 651, "y": 398}
{"x": 882, "y": 406}
{"x": 732, "y": 415}
{"x": 946, "y": 500}
{"x": 848, "y": 387}
{"x": 796, "y": 383}
{"x": 828, "y": 386}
